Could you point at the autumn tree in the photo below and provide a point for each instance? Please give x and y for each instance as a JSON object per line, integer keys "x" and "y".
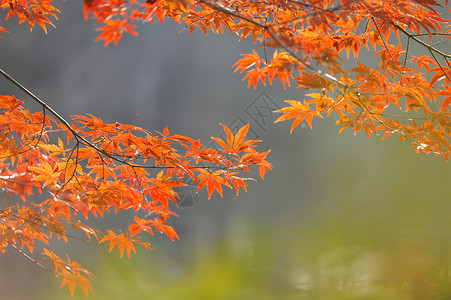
{"x": 88, "y": 167}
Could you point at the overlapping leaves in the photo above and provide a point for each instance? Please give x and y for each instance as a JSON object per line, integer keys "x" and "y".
{"x": 103, "y": 167}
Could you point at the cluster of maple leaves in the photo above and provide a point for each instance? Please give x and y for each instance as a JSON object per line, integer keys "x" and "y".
{"x": 91, "y": 167}
{"x": 103, "y": 167}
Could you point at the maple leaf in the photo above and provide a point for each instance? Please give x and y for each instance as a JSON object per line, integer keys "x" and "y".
{"x": 249, "y": 60}
{"x": 252, "y": 157}
{"x": 44, "y": 7}
{"x": 235, "y": 144}
{"x": 447, "y": 101}
{"x": 71, "y": 272}
{"x": 213, "y": 181}
{"x": 424, "y": 61}
{"x": 113, "y": 30}
{"x": 121, "y": 240}
{"x": 73, "y": 280}
{"x": 299, "y": 112}
{"x": 166, "y": 229}
{"x": 256, "y": 75}
{"x": 441, "y": 72}
{"x": 308, "y": 80}
{"x": 37, "y": 13}
{"x": 236, "y": 181}
{"x": 280, "y": 67}
{"x": 140, "y": 225}
{"x": 47, "y": 173}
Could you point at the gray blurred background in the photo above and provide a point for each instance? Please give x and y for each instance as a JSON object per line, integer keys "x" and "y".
{"x": 332, "y": 204}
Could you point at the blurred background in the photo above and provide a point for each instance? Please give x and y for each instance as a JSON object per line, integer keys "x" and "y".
{"x": 339, "y": 217}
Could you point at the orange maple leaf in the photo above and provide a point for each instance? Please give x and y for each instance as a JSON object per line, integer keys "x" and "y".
{"x": 72, "y": 280}
{"x": 298, "y": 111}
{"x": 47, "y": 173}
{"x": 213, "y": 181}
{"x": 166, "y": 229}
{"x": 447, "y": 101}
{"x": 121, "y": 241}
{"x": 248, "y": 61}
{"x": 235, "y": 144}
{"x": 113, "y": 30}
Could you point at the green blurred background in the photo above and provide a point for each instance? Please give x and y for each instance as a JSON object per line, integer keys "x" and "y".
{"x": 340, "y": 217}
